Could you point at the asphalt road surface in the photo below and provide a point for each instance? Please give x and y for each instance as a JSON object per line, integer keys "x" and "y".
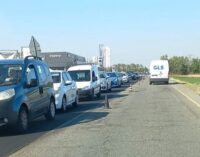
{"x": 152, "y": 120}
{"x": 10, "y": 142}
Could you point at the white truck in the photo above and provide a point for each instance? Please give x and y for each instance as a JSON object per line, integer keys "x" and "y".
{"x": 159, "y": 71}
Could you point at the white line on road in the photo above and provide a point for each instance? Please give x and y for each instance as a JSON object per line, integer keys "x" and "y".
{"x": 188, "y": 97}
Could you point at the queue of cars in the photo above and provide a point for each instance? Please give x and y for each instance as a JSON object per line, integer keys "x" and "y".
{"x": 29, "y": 89}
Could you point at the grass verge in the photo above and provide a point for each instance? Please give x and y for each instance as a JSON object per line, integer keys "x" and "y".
{"x": 191, "y": 81}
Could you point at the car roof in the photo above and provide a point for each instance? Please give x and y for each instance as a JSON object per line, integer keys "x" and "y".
{"x": 80, "y": 67}
{"x": 11, "y": 61}
{"x": 60, "y": 71}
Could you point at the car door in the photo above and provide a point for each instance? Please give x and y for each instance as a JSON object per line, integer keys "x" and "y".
{"x": 32, "y": 93}
{"x": 43, "y": 87}
{"x": 73, "y": 87}
{"x": 68, "y": 91}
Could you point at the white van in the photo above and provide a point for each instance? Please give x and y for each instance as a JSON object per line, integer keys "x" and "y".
{"x": 159, "y": 71}
{"x": 87, "y": 80}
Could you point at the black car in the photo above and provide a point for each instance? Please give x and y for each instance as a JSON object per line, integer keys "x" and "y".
{"x": 26, "y": 92}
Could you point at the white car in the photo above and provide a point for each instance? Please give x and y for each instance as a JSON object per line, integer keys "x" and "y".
{"x": 125, "y": 78}
{"x": 65, "y": 89}
{"x": 105, "y": 82}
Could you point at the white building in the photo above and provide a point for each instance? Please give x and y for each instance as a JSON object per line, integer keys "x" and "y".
{"x": 95, "y": 59}
{"x": 106, "y": 57}
{"x": 25, "y": 52}
{"x": 9, "y": 54}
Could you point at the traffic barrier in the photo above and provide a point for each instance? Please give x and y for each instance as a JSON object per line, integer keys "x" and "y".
{"x": 131, "y": 88}
{"x": 106, "y": 103}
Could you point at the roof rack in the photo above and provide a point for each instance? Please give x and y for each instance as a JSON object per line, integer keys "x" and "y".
{"x": 32, "y": 57}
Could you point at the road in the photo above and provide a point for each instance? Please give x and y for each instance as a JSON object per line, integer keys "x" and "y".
{"x": 10, "y": 142}
{"x": 154, "y": 120}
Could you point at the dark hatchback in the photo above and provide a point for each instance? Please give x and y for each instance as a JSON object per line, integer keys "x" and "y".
{"x": 26, "y": 92}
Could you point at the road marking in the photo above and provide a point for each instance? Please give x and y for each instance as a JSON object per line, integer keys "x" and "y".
{"x": 188, "y": 97}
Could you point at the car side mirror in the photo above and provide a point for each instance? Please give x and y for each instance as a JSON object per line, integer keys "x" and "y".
{"x": 32, "y": 83}
{"x": 68, "y": 83}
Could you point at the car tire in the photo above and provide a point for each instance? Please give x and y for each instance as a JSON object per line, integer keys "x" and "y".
{"x": 50, "y": 115}
{"x": 23, "y": 120}
{"x": 64, "y": 104}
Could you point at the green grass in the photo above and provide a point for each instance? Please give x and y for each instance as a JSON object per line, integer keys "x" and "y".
{"x": 188, "y": 79}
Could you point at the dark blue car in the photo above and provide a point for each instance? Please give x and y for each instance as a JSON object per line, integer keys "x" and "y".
{"x": 26, "y": 92}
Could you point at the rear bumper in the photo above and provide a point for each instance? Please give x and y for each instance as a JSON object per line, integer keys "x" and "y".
{"x": 159, "y": 80}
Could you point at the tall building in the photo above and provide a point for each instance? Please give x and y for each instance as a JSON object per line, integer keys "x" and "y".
{"x": 106, "y": 57}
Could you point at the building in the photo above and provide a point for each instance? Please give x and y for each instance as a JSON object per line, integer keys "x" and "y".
{"x": 25, "y": 51}
{"x": 9, "y": 54}
{"x": 95, "y": 59}
{"x": 61, "y": 60}
{"x": 106, "y": 57}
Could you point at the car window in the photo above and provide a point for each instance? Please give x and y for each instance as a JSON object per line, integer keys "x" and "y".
{"x": 42, "y": 73}
{"x": 80, "y": 75}
{"x": 112, "y": 74}
{"x": 56, "y": 77}
{"x": 68, "y": 76}
{"x": 30, "y": 73}
{"x": 102, "y": 76}
{"x": 10, "y": 74}
{"x": 65, "y": 78}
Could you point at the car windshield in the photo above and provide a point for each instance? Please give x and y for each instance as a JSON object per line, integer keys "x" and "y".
{"x": 80, "y": 75}
{"x": 10, "y": 74}
{"x": 102, "y": 76}
{"x": 56, "y": 77}
{"x": 111, "y": 74}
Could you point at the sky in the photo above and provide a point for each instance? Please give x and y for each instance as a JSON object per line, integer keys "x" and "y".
{"x": 137, "y": 31}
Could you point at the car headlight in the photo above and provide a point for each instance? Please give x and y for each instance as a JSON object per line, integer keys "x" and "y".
{"x": 86, "y": 88}
{"x": 57, "y": 90}
{"x": 7, "y": 94}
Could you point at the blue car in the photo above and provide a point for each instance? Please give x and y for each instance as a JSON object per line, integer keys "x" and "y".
{"x": 115, "y": 80}
{"x": 26, "y": 92}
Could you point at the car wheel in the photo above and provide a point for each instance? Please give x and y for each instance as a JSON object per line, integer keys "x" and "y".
{"x": 50, "y": 115}
{"x": 64, "y": 104}
{"x": 75, "y": 103}
{"x": 23, "y": 120}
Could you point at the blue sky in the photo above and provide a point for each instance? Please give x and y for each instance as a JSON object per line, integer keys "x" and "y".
{"x": 137, "y": 31}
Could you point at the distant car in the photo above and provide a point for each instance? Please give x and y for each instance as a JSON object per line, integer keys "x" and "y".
{"x": 105, "y": 82}
{"x": 120, "y": 75}
{"x": 125, "y": 78}
{"x": 115, "y": 79}
{"x": 26, "y": 92}
{"x": 65, "y": 89}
